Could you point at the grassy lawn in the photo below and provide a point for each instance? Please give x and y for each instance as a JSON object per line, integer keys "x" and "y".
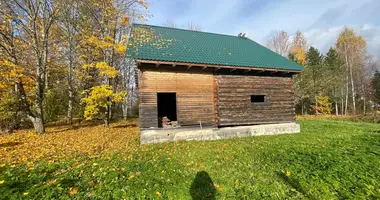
{"x": 328, "y": 160}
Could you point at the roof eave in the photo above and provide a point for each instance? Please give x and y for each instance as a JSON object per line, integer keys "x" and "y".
{"x": 158, "y": 62}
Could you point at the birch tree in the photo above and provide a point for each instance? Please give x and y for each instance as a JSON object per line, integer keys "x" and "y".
{"x": 351, "y": 47}
{"x": 280, "y": 43}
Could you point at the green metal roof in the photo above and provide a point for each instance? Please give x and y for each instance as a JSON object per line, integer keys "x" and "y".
{"x": 178, "y": 45}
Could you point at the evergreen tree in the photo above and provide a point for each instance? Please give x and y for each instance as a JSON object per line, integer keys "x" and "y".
{"x": 314, "y": 61}
{"x": 376, "y": 87}
{"x": 334, "y": 79}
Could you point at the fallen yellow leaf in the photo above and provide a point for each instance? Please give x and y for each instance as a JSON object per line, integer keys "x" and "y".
{"x": 287, "y": 173}
{"x": 73, "y": 190}
{"x": 159, "y": 194}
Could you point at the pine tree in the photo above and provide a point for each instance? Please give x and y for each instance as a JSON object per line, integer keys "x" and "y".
{"x": 376, "y": 87}
{"x": 334, "y": 79}
{"x": 314, "y": 63}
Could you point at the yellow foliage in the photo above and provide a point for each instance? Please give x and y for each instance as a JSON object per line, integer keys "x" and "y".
{"x": 11, "y": 73}
{"x": 106, "y": 70}
{"x": 300, "y": 56}
{"x": 125, "y": 20}
{"x": 120, "y": 48}
{"x": 324, "y": 106}
{"x": 100, "y": 97}
{"x": 65, "y": 142}
{"x": 107, "y": 42}
{"x": 102, "y": 44}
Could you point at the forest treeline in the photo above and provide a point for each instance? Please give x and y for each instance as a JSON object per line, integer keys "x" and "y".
{"x": 344, "y": 81}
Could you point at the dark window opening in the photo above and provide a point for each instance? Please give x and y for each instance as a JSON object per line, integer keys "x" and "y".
{"x": 257, "y": 98}
{"x": 166, "y": 107}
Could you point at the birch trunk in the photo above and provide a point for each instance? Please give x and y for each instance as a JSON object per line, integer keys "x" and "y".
{"x": 353, "y": 91}
{"x": 69, "y": 81}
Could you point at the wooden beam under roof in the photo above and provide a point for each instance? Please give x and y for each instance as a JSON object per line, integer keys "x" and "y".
{"x": 218, "y": 66}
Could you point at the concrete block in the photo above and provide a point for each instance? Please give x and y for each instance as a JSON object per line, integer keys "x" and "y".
{"x": 149, "y": 136}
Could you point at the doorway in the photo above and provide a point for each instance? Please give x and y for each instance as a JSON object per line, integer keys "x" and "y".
{"x": 166, "y": 107}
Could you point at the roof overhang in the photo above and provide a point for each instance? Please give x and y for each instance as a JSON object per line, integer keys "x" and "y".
{"x": 217, "y": 67}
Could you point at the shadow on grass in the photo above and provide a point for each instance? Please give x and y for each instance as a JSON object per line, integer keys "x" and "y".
{"x": 125, "y": 126}
{"x": 74, "y": 126}
{"x": 10, "y": 144}
{"x": 202, "y": 187}
{"x": 294, "y": 184}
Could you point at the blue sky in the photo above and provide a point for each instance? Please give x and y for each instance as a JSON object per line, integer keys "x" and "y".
{"x": 320, "y": 20}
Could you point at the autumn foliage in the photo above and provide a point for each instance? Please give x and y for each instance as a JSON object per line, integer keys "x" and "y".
{"x": 66, "y": 142}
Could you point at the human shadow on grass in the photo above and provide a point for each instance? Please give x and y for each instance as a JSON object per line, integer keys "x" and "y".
{"x": 294, "y": 184}
{"x": 202, "y": 187}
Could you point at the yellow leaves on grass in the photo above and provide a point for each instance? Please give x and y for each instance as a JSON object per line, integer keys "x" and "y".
{"x": 287, "y": 173}
{"x": 73, "y": 190}
{"x": 159, "y": 194}
{"x": 1, "y": 182}
{"x": 63, "y": 142}
{"x": 218, "y": 187}
{"x": 51, "y": 182}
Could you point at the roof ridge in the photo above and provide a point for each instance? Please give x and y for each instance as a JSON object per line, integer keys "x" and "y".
{"x": 182, "y": 29}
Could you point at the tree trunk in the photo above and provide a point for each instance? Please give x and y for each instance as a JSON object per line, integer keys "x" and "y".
{"x": 364, "y": 106}
{"x": 107, "y": 117}
{"x": 316, "y": 105}
{"x": 125, "y": 109}
{"x": 353, "y": 92}
{"x": 342, "y": 103}
{"x": 70, "y": 107}
{"x": 336, "y": 108}
{"x": 69, "y": 83}
{"x": 38, "y": 124}
{"x": 346, "y": 97}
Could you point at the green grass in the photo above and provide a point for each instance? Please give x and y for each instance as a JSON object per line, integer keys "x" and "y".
{"x": 327, "y": 160}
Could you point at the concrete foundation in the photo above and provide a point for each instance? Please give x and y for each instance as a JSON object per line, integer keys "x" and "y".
{"x": 149, "y": 136}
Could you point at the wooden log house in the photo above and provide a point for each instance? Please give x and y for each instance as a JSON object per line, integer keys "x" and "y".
{"x": 204, "y": 79}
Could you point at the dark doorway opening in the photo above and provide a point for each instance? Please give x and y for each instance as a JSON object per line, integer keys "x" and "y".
{"x": 166, "y": 107}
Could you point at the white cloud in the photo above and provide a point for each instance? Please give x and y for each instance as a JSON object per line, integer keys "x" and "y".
{"x": 320, "y": 20}
{"x": 323, "y": 39}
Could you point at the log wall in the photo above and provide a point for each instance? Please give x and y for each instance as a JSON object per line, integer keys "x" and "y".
{"x": 234, "y": 99}
{"x": 221, "y": 99}
{"x": 194, "y": 88}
